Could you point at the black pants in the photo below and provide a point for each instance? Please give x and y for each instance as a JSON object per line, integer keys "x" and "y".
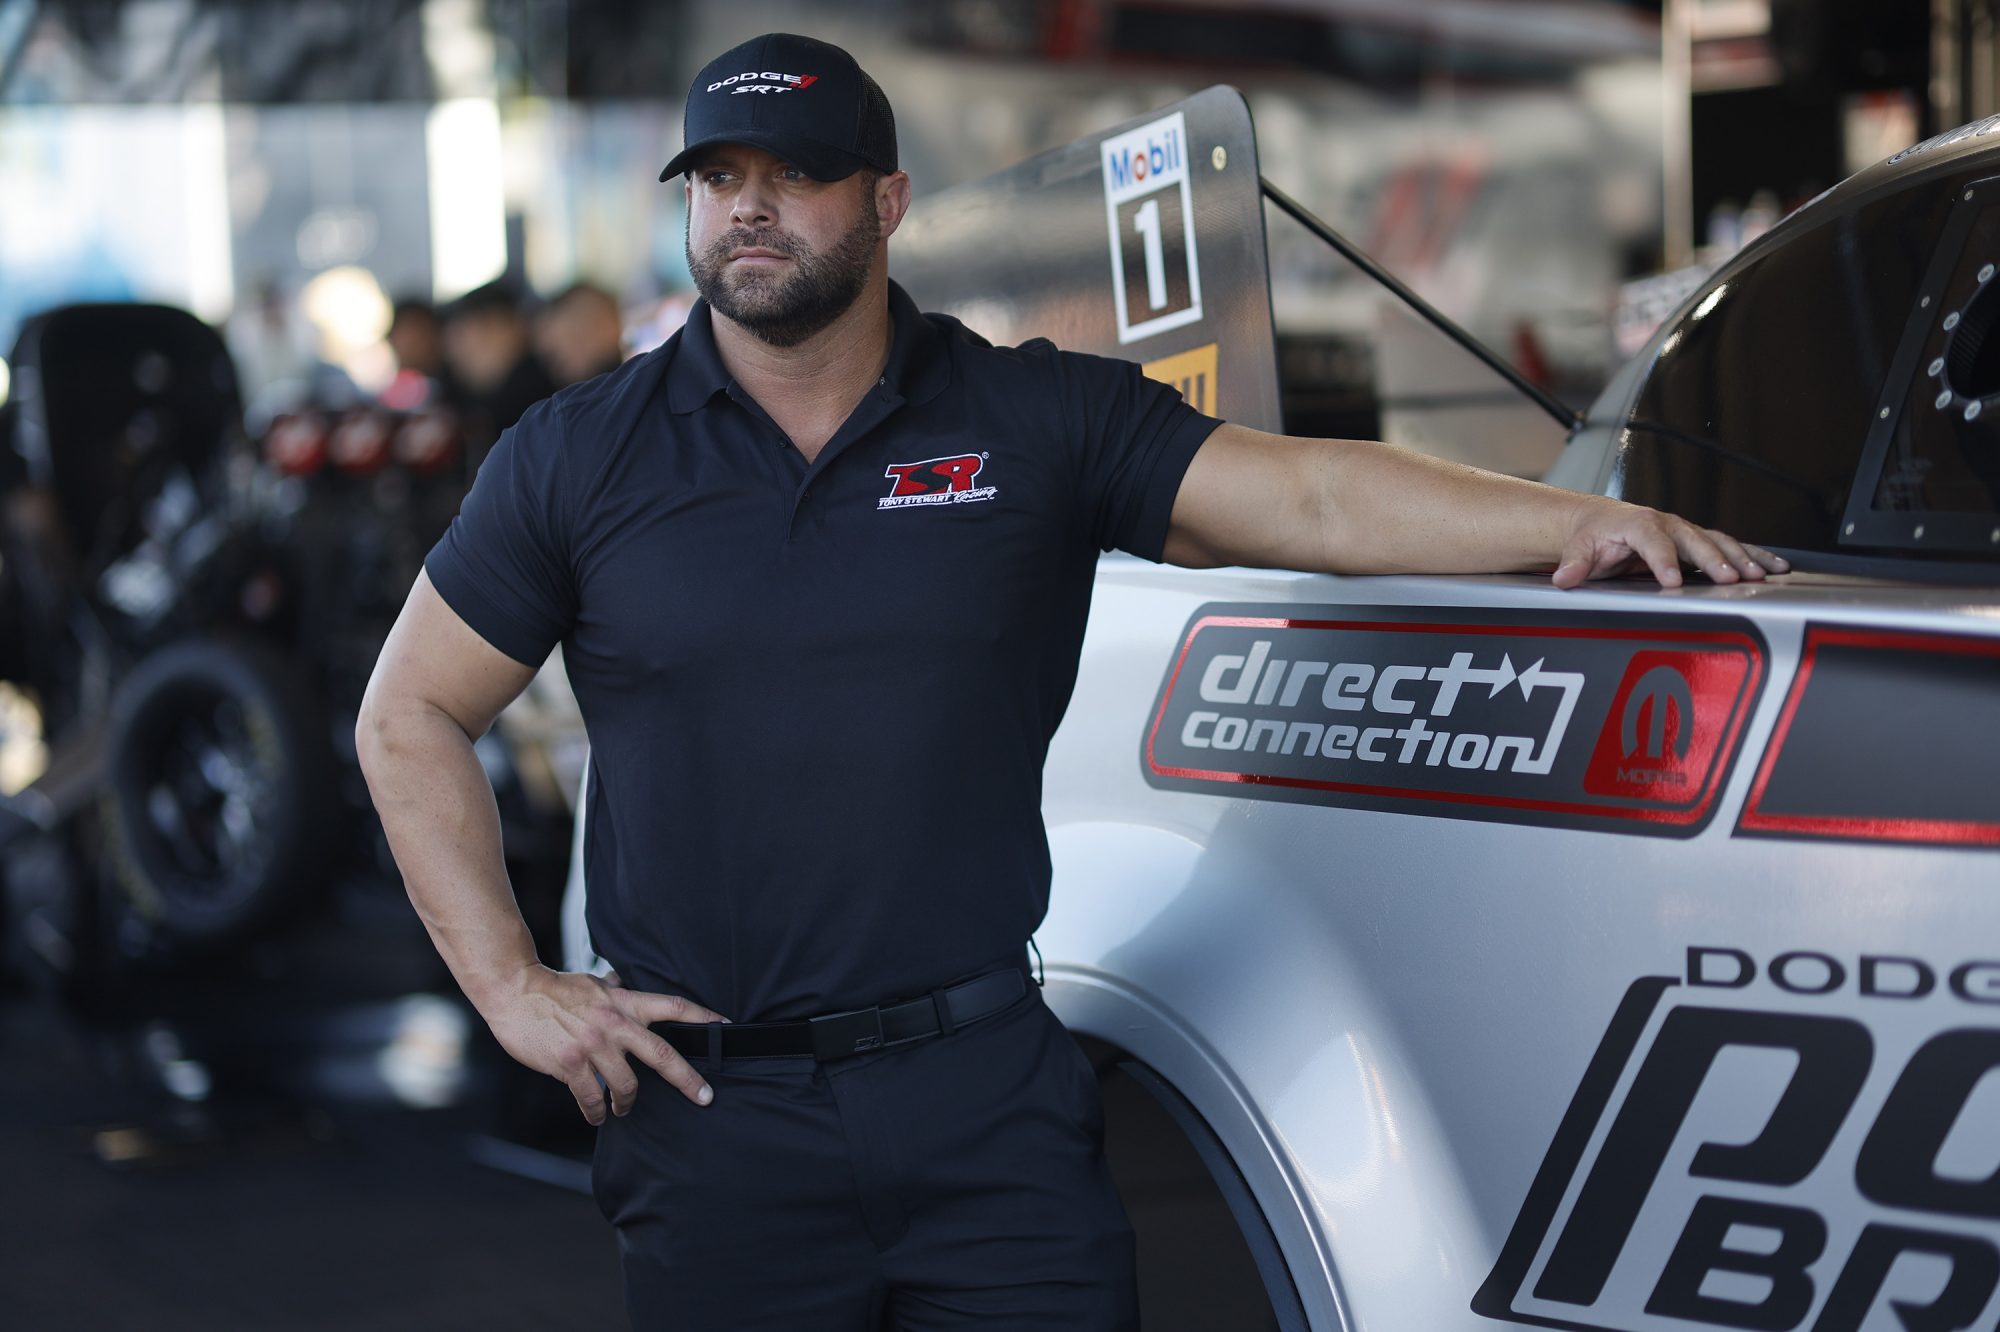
{"x": 956, "y": 1181}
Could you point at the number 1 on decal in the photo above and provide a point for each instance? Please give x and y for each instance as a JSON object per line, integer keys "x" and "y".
{"x": 1147, "y": 223}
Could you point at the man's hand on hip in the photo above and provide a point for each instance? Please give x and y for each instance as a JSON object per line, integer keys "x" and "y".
{"x": 577, "y": 1027}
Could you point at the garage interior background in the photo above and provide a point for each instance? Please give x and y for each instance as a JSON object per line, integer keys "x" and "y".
{"x": 1552, "y": 173}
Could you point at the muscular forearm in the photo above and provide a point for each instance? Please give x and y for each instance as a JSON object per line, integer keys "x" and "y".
{"x": 1382, "y": 509}
{"x": 1359, "y": 507}
{"x": 438, "y": 809}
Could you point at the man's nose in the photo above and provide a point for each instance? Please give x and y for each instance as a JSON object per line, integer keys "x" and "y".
{"x": 753, "y": 206}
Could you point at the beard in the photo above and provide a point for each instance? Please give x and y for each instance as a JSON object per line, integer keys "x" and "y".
{"x": 785, "y": 310}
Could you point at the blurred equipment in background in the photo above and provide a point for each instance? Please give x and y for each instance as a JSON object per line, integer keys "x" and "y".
{"x": 1771, "y": 102}
{"x": 278, "y": 356}
{"x": 1779, "y": 98}
{"x": 192, "y": 626}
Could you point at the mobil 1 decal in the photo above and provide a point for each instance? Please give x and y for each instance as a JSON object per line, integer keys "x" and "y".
{"x": 1795, "y": 1140}
{"x": 1155, "y": 277}
{"x": 1619, "y": 722}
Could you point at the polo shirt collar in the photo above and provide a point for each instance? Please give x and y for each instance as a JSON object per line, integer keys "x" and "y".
{"x": 918, "y": 370}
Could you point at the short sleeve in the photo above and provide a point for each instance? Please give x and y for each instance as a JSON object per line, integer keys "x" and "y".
{"x": 1132, "y": 439}
{"x": 503, "y": 564}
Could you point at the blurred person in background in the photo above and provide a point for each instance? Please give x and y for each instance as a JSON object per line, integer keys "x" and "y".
{"x": 416, "y": 340}
{"x": 580, "y": 333}
{"x": 491, "y": 368}
{"x": 416, "y": 337}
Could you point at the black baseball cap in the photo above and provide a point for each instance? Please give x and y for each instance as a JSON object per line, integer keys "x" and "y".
{"x": 797, "y": 97}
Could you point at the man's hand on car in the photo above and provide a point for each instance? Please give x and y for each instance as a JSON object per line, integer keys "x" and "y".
{"x": 1609, "y": 537}
{"x": 578, "y": 1028}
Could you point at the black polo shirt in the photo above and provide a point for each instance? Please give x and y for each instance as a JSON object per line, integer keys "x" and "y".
{"x": 818, "y": 697}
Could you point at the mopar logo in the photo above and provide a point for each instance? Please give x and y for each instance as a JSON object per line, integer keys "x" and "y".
{"x": 1662, "y": 695}
{"x": 1657, "y": 722}
{"x": 1800, "y": 1142}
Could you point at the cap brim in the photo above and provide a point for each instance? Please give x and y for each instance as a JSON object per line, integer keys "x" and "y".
{"x": 818, "y": 160}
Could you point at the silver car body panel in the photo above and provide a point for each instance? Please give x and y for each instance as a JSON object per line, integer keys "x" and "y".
{"x": 1383, "y": 1015}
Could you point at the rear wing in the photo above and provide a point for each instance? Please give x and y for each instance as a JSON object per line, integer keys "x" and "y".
{"x": 1144, "y": 241}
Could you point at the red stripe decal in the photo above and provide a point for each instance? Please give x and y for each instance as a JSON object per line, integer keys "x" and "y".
{"x": 1958, "y": 832}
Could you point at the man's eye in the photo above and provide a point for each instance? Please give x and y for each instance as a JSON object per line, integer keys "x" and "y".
{"x": 793, "y": 173}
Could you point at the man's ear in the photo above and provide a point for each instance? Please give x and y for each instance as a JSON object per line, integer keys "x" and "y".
{"x": 892, "y": 201}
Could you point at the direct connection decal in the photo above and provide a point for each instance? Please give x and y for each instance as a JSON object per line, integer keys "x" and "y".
{"x": 1804, "y": 1140}
{"x": 1885, "y": 737}
{"x": 1625, "y": 722}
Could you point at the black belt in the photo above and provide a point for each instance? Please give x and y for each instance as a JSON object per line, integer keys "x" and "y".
{"x": 836, "y": 1035}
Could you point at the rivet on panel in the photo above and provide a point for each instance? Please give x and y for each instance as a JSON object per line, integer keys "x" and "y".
{"x": 1986, "y": 273}
{"x": 1937, "y": 368}
{"x": 1924, "y": 304}
{"x": 1849, "y": 530}
{"x": 1919, "y": 533}
{"x": 1884, "y": 413}
{"x": 1944, "y": 400}
{"x": 1951, "y": 321}
{"x": 1219, "y": 157}
{"x": 1972, "y": 411}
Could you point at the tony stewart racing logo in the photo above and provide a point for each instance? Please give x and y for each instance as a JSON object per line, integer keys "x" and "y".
{"x": 1583, "y": 722}
{"x": 1798, "y": 1141}
{"x": 936, "y": 481}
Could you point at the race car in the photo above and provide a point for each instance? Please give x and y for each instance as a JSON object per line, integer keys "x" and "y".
{"x": 1460, "y": 952}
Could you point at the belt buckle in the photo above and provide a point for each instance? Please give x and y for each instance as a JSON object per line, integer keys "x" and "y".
{"x": 831, "y": 1043}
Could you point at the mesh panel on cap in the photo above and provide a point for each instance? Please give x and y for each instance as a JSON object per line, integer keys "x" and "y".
{"x": 876, "y": 137}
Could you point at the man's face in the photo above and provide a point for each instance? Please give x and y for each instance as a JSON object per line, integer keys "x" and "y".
{"x": 779, "y": 253}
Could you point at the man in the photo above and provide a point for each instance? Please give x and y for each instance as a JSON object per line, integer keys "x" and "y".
{"x": 818, "y": 721}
